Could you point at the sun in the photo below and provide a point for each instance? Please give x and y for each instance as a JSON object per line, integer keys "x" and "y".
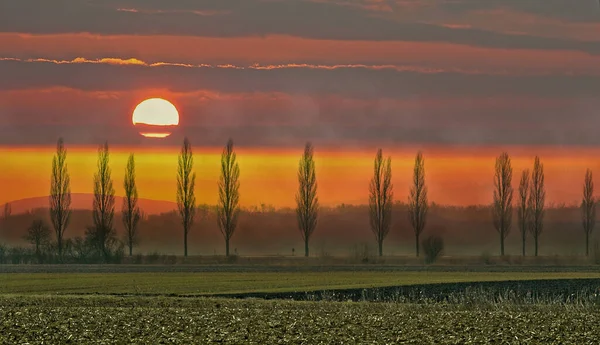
{"x": 155, "y": 118}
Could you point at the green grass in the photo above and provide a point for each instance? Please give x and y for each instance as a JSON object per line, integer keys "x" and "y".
{"x": 228, "y": 282}
{"x": 139, "y": 320}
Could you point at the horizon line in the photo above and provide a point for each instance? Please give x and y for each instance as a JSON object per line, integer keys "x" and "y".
{"x": 550, "y": 205}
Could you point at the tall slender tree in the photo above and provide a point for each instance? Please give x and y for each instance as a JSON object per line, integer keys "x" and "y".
{"x": 60, "y": 195}
{"x": 130, "y": 211}
{"x": 524, "y": 213}
{"x": 186, "y": 199}
{"x": 380, "y": 199}
{"x": 588, "y": 208}
{"x": 417, "y": 200}
{"x": 229, "y": 194}
{"x": 102, "y": 234}
{"x": 537, "y": 198}
{"x": 503, "y": 193}
{"x": 307, "y": 201}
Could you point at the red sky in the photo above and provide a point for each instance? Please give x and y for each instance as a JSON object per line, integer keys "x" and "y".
{"x": 449, "y": 77}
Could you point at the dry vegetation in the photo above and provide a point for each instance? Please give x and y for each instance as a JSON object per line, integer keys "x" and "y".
{"x": 99, "y": 320}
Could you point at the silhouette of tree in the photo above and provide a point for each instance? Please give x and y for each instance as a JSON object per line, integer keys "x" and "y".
{"x": 186, "y": 200}
{"x": 537, "y": 198}
{"x": 417, "y": 200}
{"x": 102, "y": 234}
{"x": 229, "y": 195}
{"x": 7, "y": 211}
{"x": 524, "y": 213}
{"x": 6, "y": 216}
{"x": 130, "y": 211}
{"x": 306, "y": 199}
{"x": 38, "y": 235}
{"x": 60, "y": 195}
{"x": 381, "y": 198}
{"x": 503, "y": 193}
{"x": 588, "y": 208}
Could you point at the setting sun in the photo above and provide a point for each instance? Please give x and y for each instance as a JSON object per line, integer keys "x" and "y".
{"x": 155, "y": 117}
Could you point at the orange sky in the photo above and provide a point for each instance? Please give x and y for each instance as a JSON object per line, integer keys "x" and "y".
{"x": 458, "y": 175}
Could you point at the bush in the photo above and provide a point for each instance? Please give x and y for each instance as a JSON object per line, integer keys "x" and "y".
{"x": 433, "y": 246}
{"x": 3, "y": 254}
{"x": 596, "y": 253}
{"x": 168, "y": 259}
{"x": 116, "y": 253}
{"x": 486, "y": 258}
{"x": 18, "y": 255}
{"x": 153, "y": 257}
{"x": 231, "y": 259}
{"x": 361, "y": 253}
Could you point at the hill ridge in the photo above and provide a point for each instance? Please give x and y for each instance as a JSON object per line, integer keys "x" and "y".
{"x": 84, "y": 201}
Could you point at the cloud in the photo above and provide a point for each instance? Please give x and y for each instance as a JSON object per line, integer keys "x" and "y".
{"x": 358, "y": 82}
{"x": 256, "y": 66}
{"x": 567, "y": 10}
{"x": 281, "y": 50}
{"x": 317, "y": 20}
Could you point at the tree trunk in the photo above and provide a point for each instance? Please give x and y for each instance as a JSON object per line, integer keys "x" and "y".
{"x": 417, "y": 244}
{"x": 501, "y": 243}
{"x": 587, "y": 243}
{"x": 185, "y": 242}
{"x": 130, "y": 249}
{"x": 226, "y": 247}
{"x": 523, "y": 242}
{"x": 59, "y": 240}
{"x": 380, "y": 247}
{"x": 536, "y": 246}
{"x": 306, "y": 247}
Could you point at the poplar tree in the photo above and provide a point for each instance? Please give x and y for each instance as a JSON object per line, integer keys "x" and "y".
{"x": 307, "y": 202}
{"x": 380, "y": 199}
{"x": 60, "y": 195}
{"x": 186, "y": 199}
{"x": 229, "y": 195}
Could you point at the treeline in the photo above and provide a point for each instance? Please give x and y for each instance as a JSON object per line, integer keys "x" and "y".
{"x": 100, "y": 242}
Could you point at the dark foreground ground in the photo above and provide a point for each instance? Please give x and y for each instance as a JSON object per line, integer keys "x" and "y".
{"x": 237, "y": 304}
{"x": 140, "y": 320}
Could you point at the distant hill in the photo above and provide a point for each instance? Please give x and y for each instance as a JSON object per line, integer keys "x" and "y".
{"x": 84, "y": 201}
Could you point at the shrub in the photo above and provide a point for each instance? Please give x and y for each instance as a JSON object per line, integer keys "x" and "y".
{"x": 116, "y": 253}
{"x": 153, "y": 257}
{"x": 486, "y": 258}
{"x": 18, "y": 255}
{"x": 433, "y": 246}
{"x": 3, "y": 254}
{"x": 361, "y": 253}
{"x": 596, "y": 253}
{"x": 168, "y": 259}
{"x": 231, "y": 259}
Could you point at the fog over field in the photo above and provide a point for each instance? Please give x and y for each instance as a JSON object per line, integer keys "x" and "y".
{"x": 270, "y": 231}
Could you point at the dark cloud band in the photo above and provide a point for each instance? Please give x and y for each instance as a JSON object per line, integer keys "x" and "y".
{"x": 316, "y": 20}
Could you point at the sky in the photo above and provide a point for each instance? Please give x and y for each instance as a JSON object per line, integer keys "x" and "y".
{"x": 444, "y": 76}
